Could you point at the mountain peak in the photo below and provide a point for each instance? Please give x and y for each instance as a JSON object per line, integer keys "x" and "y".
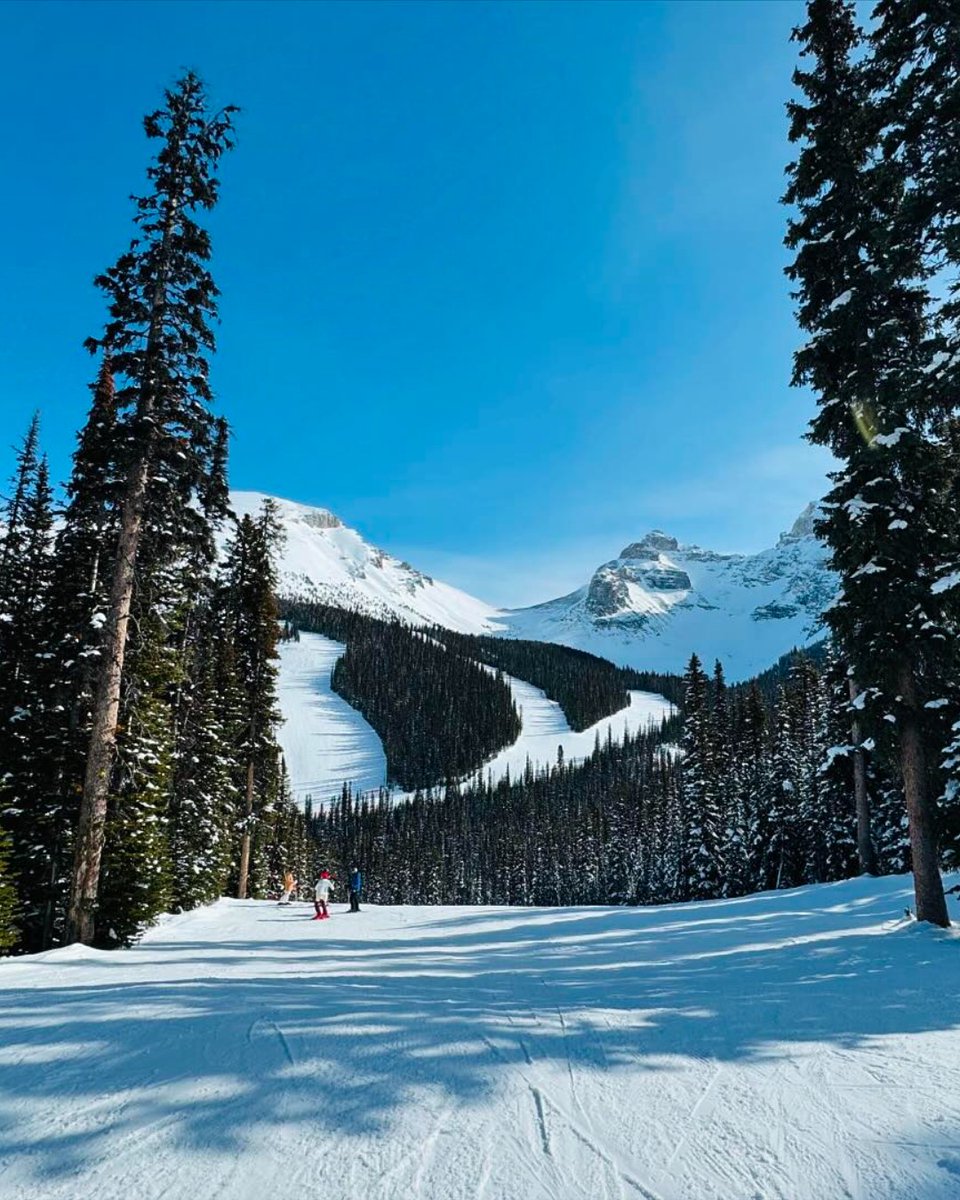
{"x": 326, "y": 561}
{"x": 655, "y": 542}
{"x": 803, "y": 525}
{"x": 250, "y": 503}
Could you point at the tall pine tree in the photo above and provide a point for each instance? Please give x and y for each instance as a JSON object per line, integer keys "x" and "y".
{"x": 162, "y": 301}
{"x": 859, "y": 272}
{"x": 253, "y": 619}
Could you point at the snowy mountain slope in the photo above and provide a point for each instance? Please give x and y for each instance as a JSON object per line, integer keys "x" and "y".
{"x": 798, "y": 1045}
{"x": 324, "y": 560}
{"x": 546, "y": 730}
{"x": 660, "y": 601}
{"x": 650, "y": 608}
{"x": 327, "y": 743}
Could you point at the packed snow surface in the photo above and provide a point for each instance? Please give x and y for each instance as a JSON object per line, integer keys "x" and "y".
{"x": 327, "y": 743}
{"x": 796, "y": 1045}
{"x": 546, "y": 730}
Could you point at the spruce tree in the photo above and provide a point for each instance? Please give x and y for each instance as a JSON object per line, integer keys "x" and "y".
{"x": 859, "y": 270}
{"x": 69, "y": 628}
{"x": 866, "y": 849}
{"x": 250, "y": 604}
{"x": 162, "y": 301}
{"x": 12, "y": 532}
{"x": 727, "y": 834}
{"x": 205, "y": 793}
{"x": 916, "y": 68}
{"x": 702, "y": 819}
{"x": 9, "y": 908}
{"x": 25, "y": 536}
{"x": 135, "y": 886}
{"x": 24, "y": 702}
{"x": 751, "y": 770}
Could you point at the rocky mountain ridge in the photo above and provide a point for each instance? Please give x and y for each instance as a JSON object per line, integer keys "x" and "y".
{"x": 652, "y": 606}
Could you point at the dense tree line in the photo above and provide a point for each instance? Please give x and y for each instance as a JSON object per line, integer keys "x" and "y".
{"x": 439, "y": 714}
{"x": 139, "y": 768}
{"x": 586, "y": 687}
{"x": 875, "y": 213}
{"x": 759, "y": 796}
{"x": 197, "y": 788}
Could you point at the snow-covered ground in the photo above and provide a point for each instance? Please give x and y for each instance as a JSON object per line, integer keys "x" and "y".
{"x": 790, "y": 1046}
{"x": 326, "y": 742}
{"x": 546, "y": 730}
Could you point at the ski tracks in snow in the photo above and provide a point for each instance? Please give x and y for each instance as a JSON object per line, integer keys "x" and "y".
{"x": 557, "y": 1141}
{"x": 789, "y": 1046}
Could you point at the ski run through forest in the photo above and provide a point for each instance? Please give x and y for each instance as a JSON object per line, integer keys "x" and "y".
{"x": 327, "y": 743}
{"x": 623, "y": 932}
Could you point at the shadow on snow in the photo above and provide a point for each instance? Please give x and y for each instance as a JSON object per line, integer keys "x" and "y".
{"x": 349, "y": 1030}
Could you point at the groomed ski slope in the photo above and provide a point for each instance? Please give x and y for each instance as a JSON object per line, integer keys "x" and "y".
{"x": 545, "y": 730}
{"x": 327, "y": 743}
{"x": 789, "y": 1046}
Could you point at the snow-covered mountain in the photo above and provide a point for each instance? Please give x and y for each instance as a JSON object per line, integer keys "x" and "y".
{"x": 325, "y": 560}
{"x": 659, "y": 601}
{"x": 651, "y": 607}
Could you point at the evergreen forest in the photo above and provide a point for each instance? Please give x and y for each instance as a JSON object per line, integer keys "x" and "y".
{"x": 140, "y": 766}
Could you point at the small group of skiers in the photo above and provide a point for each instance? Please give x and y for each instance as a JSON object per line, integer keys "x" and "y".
{"x": 323, "y": 889}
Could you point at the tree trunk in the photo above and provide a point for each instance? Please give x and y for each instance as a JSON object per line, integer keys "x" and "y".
{"x": 247, "y": 834}
{"x": 106, "y": 712}
{"x": 865, "y": 848}
{"x": 928, "y": 886}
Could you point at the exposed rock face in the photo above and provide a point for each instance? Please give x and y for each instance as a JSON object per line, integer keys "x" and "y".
{"x": 661, "y": 601}
{"x": 607, "y": 593}
{"x": 775, "y": 612}
{"x": 802, "y": 526}
{"x": 609, "y": 590}
{"x": 655, "y": 542}
{"x": 321, "y": 518}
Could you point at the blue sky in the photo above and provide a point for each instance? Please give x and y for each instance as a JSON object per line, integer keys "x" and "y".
{"x": 502, "y": 283}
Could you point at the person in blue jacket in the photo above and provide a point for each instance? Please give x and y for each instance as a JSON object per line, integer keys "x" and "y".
{"x": 355, "y": 886}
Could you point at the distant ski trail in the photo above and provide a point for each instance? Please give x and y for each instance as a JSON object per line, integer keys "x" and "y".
{"x": 326, "y": 742}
